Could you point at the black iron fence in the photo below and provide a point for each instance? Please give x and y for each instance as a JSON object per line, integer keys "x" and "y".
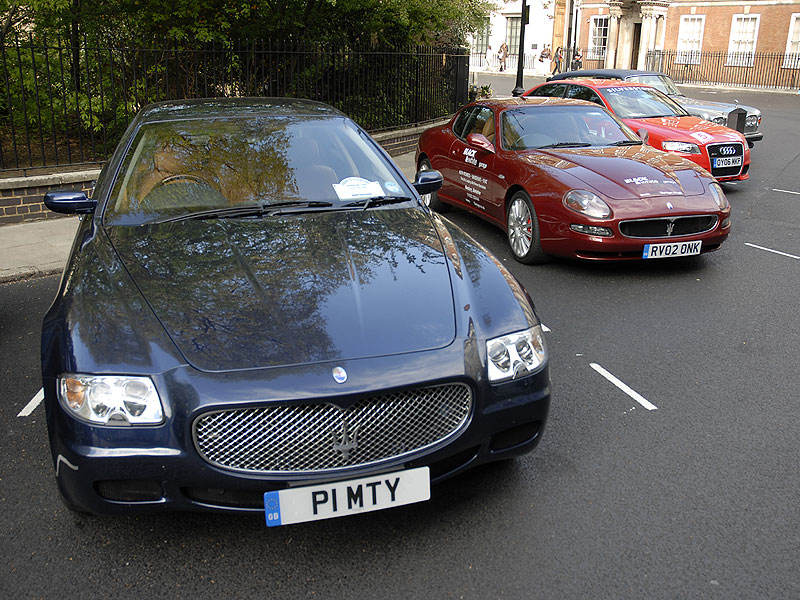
{"x": 585, "y": 59}
{"x": 740, "y": 69}
{"x": 62, "y": 105}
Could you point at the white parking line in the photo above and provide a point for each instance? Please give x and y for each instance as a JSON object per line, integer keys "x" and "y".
{"x": 786, "y": 191}
{"x": 545, "y": 328}
{"x": 632, "y": 393}
{"x": 771, "y": 250}
{"x": 31, "y": 406}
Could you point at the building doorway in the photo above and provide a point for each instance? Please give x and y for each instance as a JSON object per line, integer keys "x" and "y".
{"x": 637, "y": 38}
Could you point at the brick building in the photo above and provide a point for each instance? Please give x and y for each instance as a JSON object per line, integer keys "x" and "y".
{"x": 620, "y": 32}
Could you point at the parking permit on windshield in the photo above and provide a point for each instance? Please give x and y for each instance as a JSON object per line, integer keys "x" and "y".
{"x": 353, "y": 188}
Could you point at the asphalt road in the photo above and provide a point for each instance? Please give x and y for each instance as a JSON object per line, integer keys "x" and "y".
{"x": 695, "y": 499}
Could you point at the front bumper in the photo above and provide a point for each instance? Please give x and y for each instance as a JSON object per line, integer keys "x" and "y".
{"x": 567, "y": 243}
{"x": 116, "y": 470}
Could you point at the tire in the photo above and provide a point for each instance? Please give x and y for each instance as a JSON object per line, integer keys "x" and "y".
{"x": 522, "y": 227}
{"x": 432, "y": 200}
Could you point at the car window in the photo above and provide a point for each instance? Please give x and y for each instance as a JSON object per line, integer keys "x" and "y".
{"x": 483, "y": 123}
{"x": 581, "y": 92}
{"x": 461, "y": 121}
{"x": 641, "y": 102}
{"x": 553, "y": 90}
{"x": 177, "y": 167}
{"x": 661, "y": 82}
{"x": 533, "y": 127}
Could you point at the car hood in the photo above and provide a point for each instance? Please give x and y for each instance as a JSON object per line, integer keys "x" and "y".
{"x": 697, "y": 106}
{"x": 686, "y": 129}
{"x": 250, "y": 293}
{"x": 626, "y": 173}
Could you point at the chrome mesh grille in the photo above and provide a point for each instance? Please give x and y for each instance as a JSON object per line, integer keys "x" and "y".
{"x": 668, "y": 226}
{"x": 322, "y": 437}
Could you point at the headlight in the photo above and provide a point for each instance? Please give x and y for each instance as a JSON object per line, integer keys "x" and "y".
{"x": 718, "y": 195}
{"x": 685, "y": 147}
{"x": 515, "y": 355}
{"x": 111, "y": 400}
{"x": 752, "y": 121}
{"x": 719, "y": 120}
{"x": 587, "y": 203}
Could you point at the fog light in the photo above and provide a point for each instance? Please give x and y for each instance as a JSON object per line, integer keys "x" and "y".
{"x": 591, "y": 230}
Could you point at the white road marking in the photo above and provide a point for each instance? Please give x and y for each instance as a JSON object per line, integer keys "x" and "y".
{"x": 632, "y": 393}
{"x": 31, "y": 406}
{"x": 771, "y": 250}
{"x": 545, "y": 328}
{"x": 786, "y": 191}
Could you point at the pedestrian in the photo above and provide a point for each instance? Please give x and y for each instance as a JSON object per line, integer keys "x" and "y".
{"x": 544, "y": 60}
{"x": 503, "y": 54}
{"x": 557, "y": 58}
{"x": 487, "y": 58}
{"x": 577, "y": 60}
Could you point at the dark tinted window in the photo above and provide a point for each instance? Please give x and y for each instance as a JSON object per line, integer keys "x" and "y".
{"x": 581, "y": 92}
{"x": 176, "y": 167}
{"x": 553, "y": 90}
{"x": 461, "y": 121}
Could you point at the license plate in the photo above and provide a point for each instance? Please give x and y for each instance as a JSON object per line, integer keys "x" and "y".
{"x": 672, "y": 250}
{"x": 342, "y": 498}
{"x": 728, "y": 161}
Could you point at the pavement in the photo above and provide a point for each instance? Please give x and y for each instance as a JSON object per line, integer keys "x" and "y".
{"x": 39, "y": 248}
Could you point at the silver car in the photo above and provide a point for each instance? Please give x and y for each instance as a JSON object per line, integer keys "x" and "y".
{"x": 745, "y": 119}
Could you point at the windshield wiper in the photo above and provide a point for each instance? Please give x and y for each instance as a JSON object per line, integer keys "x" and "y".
{"x": 627, "y": 143}
{"x": 250, "y": 210}
{"x": 378, "y": 201}
{"x": 566, "y": 145}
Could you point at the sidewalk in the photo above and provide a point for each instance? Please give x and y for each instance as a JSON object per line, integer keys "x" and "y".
{"x": 41, "y": 248}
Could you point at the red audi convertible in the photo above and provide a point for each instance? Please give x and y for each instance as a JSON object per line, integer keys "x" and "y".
{"x": 662, "y": 123}
{"x": 565, "y": 177}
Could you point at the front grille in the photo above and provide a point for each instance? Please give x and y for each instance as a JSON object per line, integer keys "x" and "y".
{"x": 728, "y": 150}
{"x": 668, "y": 227}
{"x": 302, "y": 438}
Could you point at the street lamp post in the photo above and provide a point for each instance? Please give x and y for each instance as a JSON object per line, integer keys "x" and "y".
{"x": 519, "y": 90}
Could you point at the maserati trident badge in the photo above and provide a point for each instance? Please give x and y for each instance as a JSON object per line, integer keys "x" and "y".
{"x": 339, "y": 375}
{"x": 345, "y": 442}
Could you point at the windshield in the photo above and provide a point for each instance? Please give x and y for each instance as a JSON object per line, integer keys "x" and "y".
{"x": 661, "y": 82}
{"x": 180, "y": 167}
{"x": 533, "y": 127}
{"x": 640, "y": 103}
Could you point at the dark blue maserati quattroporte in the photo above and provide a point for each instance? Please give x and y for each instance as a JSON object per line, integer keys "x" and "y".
{"x": 259, "y": 314}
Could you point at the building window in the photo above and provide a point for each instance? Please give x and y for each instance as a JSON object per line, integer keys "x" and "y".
{"x": 792, "y": 58}
{"x": 482, "y": 38}
{"x": 598, "y": 38}
{"x": 742, "y": 46}
{"x": 690, "y": 39}
{"x": 512, "y": 34}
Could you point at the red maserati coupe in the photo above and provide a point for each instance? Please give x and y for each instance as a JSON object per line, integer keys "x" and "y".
{"x": 565, "y": 177}
{"x": 661, "y": 122}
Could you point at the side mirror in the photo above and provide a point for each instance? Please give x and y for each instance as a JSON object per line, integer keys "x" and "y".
{"x": 69, "y": 203}
{"x": 643, "y": 135}
{"x": 478, "y": 140}
{"x": 427, "y": 182}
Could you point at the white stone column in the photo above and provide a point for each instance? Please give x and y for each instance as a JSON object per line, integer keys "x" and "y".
{"x": 645, "y": 37}
{"x": 614, "y": 15}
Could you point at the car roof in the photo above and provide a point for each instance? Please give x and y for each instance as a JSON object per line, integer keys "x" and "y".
{"x": 602, "y": 74}
{"x": 503, "y": 103}
{"x": 604, "y": 83}
{"x": 210, "y": 108}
